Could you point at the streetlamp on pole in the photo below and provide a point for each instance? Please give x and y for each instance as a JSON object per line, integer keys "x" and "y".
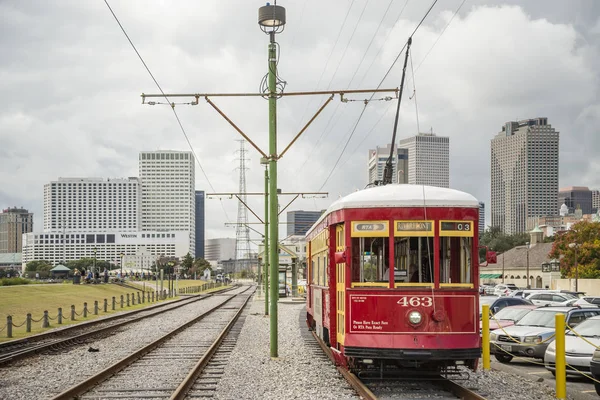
{"x": 271, "y": 19}
{"x": 575, "y": 246}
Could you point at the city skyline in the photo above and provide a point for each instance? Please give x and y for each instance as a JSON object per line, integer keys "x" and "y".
{"x": 76, "y": 116}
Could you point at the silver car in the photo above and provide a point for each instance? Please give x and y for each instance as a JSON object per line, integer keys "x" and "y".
{"x": 578, "y": 351}
{"x": 531, "y": 336}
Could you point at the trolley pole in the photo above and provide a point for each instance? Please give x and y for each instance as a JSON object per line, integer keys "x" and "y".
{"x": 274, "y": 225}
{"x": 266, "y": 253}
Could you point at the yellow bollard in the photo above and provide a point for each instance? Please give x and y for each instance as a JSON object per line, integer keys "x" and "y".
{"x": 561, "y": 373}
{"x": 485, "y": 336}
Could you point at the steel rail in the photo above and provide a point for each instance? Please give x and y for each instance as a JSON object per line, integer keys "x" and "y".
{"x": 87, "y": 384}
{"x": 181, "y": 391}
{"x": 32, "y": 350}
{"x": 361, "y": 389}
{"x": 458, "y": 390}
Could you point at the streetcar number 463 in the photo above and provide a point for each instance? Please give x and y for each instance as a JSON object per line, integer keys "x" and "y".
{"x": 416, "y": 301}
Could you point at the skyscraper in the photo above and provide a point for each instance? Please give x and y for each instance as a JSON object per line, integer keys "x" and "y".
{"x": 167, "y": 179}
{"x": 524, "y": 168}
{"x": 14, "y": 222}
{"x": 378, "y": 158}
{"x": 576, "y": 197}
{"x": 481, "y": 217}
{"x": 428, "y": 159}
{"x": 299, "y": 222}
{"x": 92, "y": 205}
{"x": 200, "y": 223}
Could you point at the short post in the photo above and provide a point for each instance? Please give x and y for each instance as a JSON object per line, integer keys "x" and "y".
{"x": 105, "y": 305}
{"x": 121, "y": 301}
{"x": 561, "y": 368}
{"x": 485, "y": 336}
{"x": 127, "y": 299}
{"x": 144, "y": 296}
{"x": 9, "y": 326}
{"x": 59, "y": 315}
{"x": 95, "y": 307}
{"x": 153, "y": 296}
{"x": 133, "y": 299}
{"x": 46, "y": 320}
{"x": 72, "y": 312}
{"x": 28, "y": 324}
{"x": 139, "y": 298}
{"x": 85, "y": 310}
{"x": 114, "y": 303}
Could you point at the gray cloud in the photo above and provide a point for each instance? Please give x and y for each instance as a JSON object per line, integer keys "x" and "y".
{"x": 71, "y": 86}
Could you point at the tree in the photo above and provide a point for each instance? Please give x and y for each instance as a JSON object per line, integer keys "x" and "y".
{"x": 586, "y": 235}
{"x": 187, "y": 263}
{"x": 38, "y": 266}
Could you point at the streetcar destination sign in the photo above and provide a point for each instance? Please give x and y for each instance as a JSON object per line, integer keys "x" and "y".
{"x": 413, "y": 226}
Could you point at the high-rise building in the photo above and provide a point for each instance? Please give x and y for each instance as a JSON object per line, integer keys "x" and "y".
{"x": 167, "y": 180}
{"x": 481, "y": 217}
{"x": 524, "y": 169}
{"x": 92, "y": 205}
{"x": 576, "y": 197}
{"x": 299, "y": 222}
{"x": 200, "y": 223}
{"x": 220, "y": 249}
{"x": 378, "y": 158}
{"x": 428, "y": 159}
{"x": 14, "y": 222}
{"x": 595, "y": 201}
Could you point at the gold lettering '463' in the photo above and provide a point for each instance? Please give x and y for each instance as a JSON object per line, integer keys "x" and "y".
{"x": 416, "y": 301}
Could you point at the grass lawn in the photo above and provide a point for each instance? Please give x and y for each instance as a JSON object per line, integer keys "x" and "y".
{"x": 35, "y": 299}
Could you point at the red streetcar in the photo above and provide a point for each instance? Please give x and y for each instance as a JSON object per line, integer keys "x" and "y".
{"x": 423, "y": 312}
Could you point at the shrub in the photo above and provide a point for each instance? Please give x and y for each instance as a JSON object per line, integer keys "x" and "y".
{"x": 13, "y": 281}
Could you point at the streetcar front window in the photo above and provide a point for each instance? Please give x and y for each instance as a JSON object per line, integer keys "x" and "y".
{"x": 370, "y": 259}
{"x": 413, "y": 259}
{"x": 455, "y": 259}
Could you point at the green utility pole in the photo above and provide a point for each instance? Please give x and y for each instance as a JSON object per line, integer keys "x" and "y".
{"x": 266, "y": 254}
{"x": 274, "y": 225}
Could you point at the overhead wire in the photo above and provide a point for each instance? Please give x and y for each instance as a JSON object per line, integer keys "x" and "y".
{"x": 372, "y": 95}
{"x": 166, "y": 98}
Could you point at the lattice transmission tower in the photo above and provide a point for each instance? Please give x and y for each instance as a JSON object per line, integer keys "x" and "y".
{"x": 242, "y": 233}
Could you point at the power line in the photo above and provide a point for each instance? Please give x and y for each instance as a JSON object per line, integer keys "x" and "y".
{"x": 163, "y": 93}
{"x": 378, "y": 86}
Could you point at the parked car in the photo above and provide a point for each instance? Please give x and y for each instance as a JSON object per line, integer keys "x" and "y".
{"x": 504, "y": 289}
{"x": 508, "y": 316}
{"x": 489, "y": 289}
{"x": 498, "y": 303}
{"x": 552, "y": 299}
{"x": 578, "y": 351}
{"x": 588, "y": 301}
{"x": 531, "y": 336}
{"x": 595, "y": 368}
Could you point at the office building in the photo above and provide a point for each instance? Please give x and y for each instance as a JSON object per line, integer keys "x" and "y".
{"x": 378, "y": 158}
{"x": 167, "y": 180}
{"x": 92, "y": 205}
{"x": 220, "y": 249}
{"x": 14, "y": 222}
{"x": 199, "y": 223}
{"x": 428, "y": 159}
{"x": 138, "y": 249}
{"x": 524, "y": 169}
{"x": 595, "y": 201}
{"x": 481, "y": 217}
{"x": 299, "y": 222}
{"x": 576, "y": 197}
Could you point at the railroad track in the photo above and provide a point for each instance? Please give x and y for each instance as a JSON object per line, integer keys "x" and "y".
{"x": 399, "y": 389}
{"x": 79, "y": 333}
{"x": 170, "y": 366}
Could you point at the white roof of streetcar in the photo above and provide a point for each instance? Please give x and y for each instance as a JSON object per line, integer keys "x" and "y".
{"x": 402, "y": 195}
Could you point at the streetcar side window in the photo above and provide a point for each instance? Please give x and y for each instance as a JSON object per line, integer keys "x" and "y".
{"x": 455, "y": 259}
{"x": 370, "y": 257}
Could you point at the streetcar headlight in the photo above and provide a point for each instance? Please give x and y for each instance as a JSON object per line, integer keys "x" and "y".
{"x": 415, "y": 317}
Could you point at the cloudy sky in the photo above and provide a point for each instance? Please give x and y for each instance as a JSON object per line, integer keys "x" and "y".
{"x": 71, "y": 85}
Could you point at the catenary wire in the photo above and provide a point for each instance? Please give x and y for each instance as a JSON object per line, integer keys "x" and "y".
{"x": 163, "y": 93}
{"x": 378, "y": 86}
